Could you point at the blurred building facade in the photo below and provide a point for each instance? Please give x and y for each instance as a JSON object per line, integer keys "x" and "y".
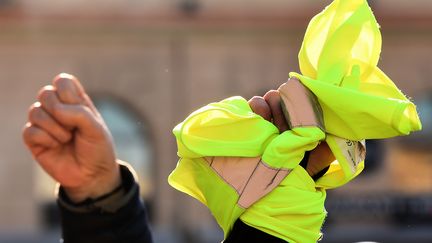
{"x": 148, "y": 64}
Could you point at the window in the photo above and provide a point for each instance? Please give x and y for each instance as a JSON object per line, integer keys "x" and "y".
{"x": 131, "y": 137}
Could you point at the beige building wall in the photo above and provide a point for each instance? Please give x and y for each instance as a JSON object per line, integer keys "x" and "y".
{"x": 165, "y": 72}
{"x": 238, "y": 7}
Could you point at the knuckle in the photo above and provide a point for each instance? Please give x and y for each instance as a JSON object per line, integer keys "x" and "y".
{"x": 67, "y": 90}
{"x": 256, "y": 99}
{"x": 63, "y": 77}
{"x": 36, "y": 114}
{"x": 271, "y": 95}
{"x": 28, "y": 132}
{"x": 32, "y": 108}
{"x": 63, "y": 83}
{"x": 45, "y": 92}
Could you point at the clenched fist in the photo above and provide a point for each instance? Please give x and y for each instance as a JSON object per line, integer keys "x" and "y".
{"x": 69, "y": 139}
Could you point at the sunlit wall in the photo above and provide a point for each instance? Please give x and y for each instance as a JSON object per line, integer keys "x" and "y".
{"x": 153, "y": 62}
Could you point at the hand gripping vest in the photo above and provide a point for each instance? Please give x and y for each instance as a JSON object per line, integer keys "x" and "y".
{"x": 239, "y": 166}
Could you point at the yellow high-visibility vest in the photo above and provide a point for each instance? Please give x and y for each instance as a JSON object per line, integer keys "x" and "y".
{"x": 239, "y": 166}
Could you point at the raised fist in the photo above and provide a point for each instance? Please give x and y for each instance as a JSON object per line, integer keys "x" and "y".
{"x": 69, "y": 139}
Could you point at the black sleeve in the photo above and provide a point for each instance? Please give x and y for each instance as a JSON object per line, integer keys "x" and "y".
{"x": 243, "y": 233}
{"x": 119, "y": 216}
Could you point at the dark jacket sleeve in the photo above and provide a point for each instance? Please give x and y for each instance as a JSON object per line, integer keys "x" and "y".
{"x": 119, "y": 216}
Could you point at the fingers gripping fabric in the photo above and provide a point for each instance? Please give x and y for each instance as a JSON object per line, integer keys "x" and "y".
{"x": 239, "y": 166}
{"x": 230, "y": 173}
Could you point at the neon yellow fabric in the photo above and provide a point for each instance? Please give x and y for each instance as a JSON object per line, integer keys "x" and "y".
{"x": 248, "y": 135}
{"x": 338, "y": 61}
{"x": 195, "y": 178}
{"x": 226, "y": 128}
{"x": 293, "y": 211}
{"x": 231, "y": 128}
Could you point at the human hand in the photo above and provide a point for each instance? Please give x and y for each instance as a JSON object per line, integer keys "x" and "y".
{"x": 68, "y": 137}
{"x": 269, "y": 107}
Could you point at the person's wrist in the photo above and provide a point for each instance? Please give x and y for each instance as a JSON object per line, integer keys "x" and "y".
{"x": 99, "y": 186}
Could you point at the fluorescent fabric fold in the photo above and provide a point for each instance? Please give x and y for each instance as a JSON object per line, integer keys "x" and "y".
{"x": 338, "y": 62}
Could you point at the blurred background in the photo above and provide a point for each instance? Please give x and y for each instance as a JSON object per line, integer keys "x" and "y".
{"x": 148, "y": 63}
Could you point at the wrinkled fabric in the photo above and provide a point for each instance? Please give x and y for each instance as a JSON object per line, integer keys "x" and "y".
{"x": 249, "y": 135}
{"x": 338, "y": 62}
